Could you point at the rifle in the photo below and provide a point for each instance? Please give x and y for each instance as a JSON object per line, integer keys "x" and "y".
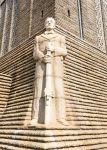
{"x": 48, "y": 92}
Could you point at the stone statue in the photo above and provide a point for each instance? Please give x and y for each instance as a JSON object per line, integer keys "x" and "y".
{"x": 49, "y": 53}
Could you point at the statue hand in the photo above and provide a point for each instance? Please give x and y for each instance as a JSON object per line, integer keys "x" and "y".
{"x": 49, "y": 47}
{"x": 47, "y": 59}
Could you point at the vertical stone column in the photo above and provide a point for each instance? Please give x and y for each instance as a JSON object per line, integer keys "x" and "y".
{"x": 80, "y": 18}
{"x": 13, "y": 25}
{"x": 104, "y": 16}
{"x": 100, "y": 27}
{"x": 2, "y": 16}
{"x": 6, "y": 28}
{"x": 89, "y": 21}
{"x": 31, "y": 15}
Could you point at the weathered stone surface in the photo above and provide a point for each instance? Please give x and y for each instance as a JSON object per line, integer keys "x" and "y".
{"x": 2, "y": 16}
{"x": 5, "y": 85}
{"x": 27, "y": 18}
{"x": 85, "y": 83}
{"x": 49, "y": 54}
{"x": 85, "y": 86}
{"x": 100, "y": 26}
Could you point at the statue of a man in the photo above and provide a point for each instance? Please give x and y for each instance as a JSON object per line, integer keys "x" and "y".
{"x": 54, "y": 43}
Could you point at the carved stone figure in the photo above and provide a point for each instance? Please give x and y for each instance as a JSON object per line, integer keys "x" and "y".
{"x": 49, "y": 53}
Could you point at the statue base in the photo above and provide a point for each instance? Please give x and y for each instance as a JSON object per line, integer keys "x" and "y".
{"x": 58, "y": 123}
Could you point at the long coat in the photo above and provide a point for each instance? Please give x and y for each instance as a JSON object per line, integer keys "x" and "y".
{"x": 60, "y": 52}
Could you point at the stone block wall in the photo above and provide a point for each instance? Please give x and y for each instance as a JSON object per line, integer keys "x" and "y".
{"x": 85, "y": 83}
{"x": 21, "y": 19}
{"x": 78, "y": 17}
{"x": 89, "y": 21}
{"x": 5, "y": 85}
{"x": 85, "y": 78}
{"x": 65, "y": 19}
{"x": 19, "y": 64}
{"x": 40, "y": 11}
{"x": 85, "y": 89}
{"x": 2, "y": 22}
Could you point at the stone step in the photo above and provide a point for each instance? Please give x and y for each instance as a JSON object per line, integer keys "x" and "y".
{"x": 49, "y": 131}
{"x": 5, "y": 146}
{"x": 48, "y": 139}
{"x": 5, "y": 77}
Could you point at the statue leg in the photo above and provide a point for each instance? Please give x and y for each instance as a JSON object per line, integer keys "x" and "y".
{"x": 36, "y": 101}
{"x": 38, "y": 94}
{"x": 60, "y": 102}
{"x": 59, "y": 88}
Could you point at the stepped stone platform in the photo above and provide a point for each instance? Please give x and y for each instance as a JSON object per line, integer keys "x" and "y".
{"x": 63, "y": 138}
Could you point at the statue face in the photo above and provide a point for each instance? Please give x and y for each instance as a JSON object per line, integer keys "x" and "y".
{"x": 50, "y": 23}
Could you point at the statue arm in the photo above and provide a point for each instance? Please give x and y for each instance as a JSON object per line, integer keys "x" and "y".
{"x": 37, "y": 54}
{"x": 61, "y": 51}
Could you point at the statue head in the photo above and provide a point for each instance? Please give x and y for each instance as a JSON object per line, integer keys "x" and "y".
{"x": 49, "y": 23}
